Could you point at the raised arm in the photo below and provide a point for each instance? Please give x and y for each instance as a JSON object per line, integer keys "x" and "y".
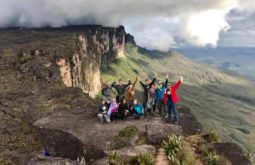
{"x": 166, "y": 80}
{"x": 136, "y": 79}
{"x": 114, "y": 84}
{"x": 143, "y": 85}
{"x": 177, "y": 85}
{"x": 126, "y": 85}
{"x": 153, "y": 81}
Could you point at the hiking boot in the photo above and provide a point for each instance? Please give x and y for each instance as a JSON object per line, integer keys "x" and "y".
{"x": 176, "y": 122}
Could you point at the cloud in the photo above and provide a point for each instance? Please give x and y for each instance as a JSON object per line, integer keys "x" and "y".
{"x": 155, "y": 24}
{"x": 242, "y": 32}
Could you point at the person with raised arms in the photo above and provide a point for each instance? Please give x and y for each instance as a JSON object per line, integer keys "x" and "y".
{"x": 160, "y": 96}
{"x": 146, "y": 86}
{"x": 120, "y": 88}
{"x": 170, "y": 100}
{"x": 131, "y": 92}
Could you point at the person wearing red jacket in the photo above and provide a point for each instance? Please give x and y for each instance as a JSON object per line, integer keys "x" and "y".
{"x": 170, "y": 100}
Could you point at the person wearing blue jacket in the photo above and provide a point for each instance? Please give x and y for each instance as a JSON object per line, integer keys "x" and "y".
{"x": 160, "y": 95}
{"x": 137, "y": 109}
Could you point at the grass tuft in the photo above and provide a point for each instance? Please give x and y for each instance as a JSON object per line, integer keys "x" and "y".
{"x": 212, "y": 158}
{"x": 172, "y": 144}
{"x": 114, "y": 159}
{"x": 122, "y": 139}
{"x": 211, "y": 136}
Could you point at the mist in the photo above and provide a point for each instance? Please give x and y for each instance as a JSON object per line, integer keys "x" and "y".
{"x": 160, "y": 24}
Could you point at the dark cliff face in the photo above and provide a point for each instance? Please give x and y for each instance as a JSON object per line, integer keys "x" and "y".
{"x": 78, "y": 51}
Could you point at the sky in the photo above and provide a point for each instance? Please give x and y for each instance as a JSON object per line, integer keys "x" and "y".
{"x": 155, "y": 24}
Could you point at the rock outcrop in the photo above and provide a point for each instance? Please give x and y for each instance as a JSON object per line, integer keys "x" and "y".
{"x": 77, "y": 52}
{"x": 97, "y": 139}
{"x": 96, "y": 47}
{"x": 156, "y": 132}
{"x": 59, "y": 143}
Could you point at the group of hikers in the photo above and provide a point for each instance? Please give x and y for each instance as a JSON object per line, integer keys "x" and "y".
{"x": 159, "y": 96}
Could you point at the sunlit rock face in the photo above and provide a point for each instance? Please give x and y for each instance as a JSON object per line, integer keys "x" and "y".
{"x": 65, "y": 71}
{"x": 97, "y": 46}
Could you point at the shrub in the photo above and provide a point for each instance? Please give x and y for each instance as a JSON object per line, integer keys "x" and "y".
{"x": 128, "y": 132}
{"x": 186, "y": 155}
{"x": 142, "y": 159}
{"x": 212, "y": 159}
{"x": 172, "y": 144}
{"x": 114, "y": 159}
{"x": 195, "y": 139}
{"x": 202, "y": 149}
{"x": 175, "y": 161}
{"x": 247, "y": 154}
{"x": 124, "y": 136}
{"x": 211, "y": 136}
{"x": 145, "y": 159}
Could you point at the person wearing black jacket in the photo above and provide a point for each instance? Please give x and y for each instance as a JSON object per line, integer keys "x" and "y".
{"x": 123, "y": 109}
{"x": 146, "y": 86}
{"x": 120, "y": 88}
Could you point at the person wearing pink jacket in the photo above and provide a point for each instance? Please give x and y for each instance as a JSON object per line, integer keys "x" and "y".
{"x": 170, "y": 100}
{"x": 112, "y": 112}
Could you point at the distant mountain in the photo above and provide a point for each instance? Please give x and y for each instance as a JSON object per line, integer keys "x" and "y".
{"x": 239, "y": 59}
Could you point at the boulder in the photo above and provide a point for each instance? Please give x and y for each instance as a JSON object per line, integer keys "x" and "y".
{"x": 59, "y": 143}
{"x": 156, "y": 132}
{"x": 41, "y": 160}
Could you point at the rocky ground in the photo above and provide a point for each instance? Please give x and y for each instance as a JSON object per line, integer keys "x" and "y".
{"x": 85, "y": 137}
{"x": 98, "y": 139}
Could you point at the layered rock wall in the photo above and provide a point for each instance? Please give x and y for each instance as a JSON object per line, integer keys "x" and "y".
{"x": 95, "y": 47}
